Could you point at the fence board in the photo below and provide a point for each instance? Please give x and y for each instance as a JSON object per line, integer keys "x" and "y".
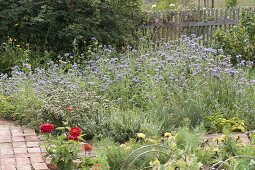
{"x": 168, "y": 25}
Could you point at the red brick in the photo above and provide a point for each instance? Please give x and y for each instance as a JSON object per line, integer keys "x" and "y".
{"x": 20, "y": 150}
{"x": 16, "y": 131}
{"x": 24, "y": 167}
{"x": 8, "y": 167}
{"x": 22, "y": 155}
{"x": 6, "y": 151}
{"x": 5, "y": 132}
{"x": 5, "y": 127}
{"x": 32, "y": 138}
{"x": 22, "y": 161}
{"x": 6, "y": 156}
{"x": 32, "y": 144}
{"x": 28, "y": 131}
{"x": 34, "y": 150}
{"x": 18, "y": 139}
{"x": 5, "y": 140}
{"x": 37, "y": 159}
{"x": 19, "y": 144}
{"x": 39, "y": 166}
{"x": 7, "y": 161}
{"x": 5, "y": 146}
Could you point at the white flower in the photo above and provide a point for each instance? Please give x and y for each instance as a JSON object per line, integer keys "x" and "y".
{"x": 172, "y": 5}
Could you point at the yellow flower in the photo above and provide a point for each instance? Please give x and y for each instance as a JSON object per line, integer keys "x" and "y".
{"x": 123, "y": 145}
{"x": 222, "y": 138}
{"x": 215, "y": 149}
{"x": 154, "y": 6}
{"x": 18, "y": 46}
{"x": 155, "y": 163}
{"x": 152, "y": 141}
{"x": 168, "y": 134}
{"x": 141, "y": 135}
{"x": 199, "y": 164}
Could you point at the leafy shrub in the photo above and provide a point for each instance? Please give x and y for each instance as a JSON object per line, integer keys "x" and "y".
{"x": 217, "y": 123}
{"x": 54, "y": 25}
{"x": 233, "y": 40}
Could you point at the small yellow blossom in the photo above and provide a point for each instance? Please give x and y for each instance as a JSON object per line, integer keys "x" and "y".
{"x": 215, "y": 149}
{"x": 154, "y": 6}
{"x": 18, "y": 46}
{"x": 168, "y": 134}
{"x": 199, "y": 164}
{"x": 141, "y": 135}
{"x": 222, "y": 138}
{"x": 152, "y": 141}
{"x": 155, "y": 163}
{"x": 123, "y": 145}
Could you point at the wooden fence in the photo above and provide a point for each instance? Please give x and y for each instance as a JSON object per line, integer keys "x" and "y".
{"x": 163, "y": 26}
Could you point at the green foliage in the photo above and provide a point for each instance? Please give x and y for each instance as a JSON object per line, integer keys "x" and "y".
{"x": 233, "y": 40}
{"x": 62, "y": 152}
{"x": 230, "y": 3}
{"x": 186, "y": 139}
{"x": 54, "y": 25}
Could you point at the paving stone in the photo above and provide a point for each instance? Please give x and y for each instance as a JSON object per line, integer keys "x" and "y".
{"x": 34, "y": 150}
{"x": 20, "y": 150}
{"x": 6, "y": 151}
{"x": 40, "y": 166}
{"x": 24, "y": 167}
{"x": 32, "y": 144}
{"x": 19, "y": 144}
{"x": 22, "y": 161}
{"x": 38, "y": 159}
{"x": 32, "y": 138}
{"x": 18, "y": 139}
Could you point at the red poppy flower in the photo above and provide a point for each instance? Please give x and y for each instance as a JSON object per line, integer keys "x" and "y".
{"x": 75, "y": 131}
{"x": 75, "y": 138}
{"x": 87, "y": 147}
{"x": 70, "y": 108}
{"x": 47, "y": 128}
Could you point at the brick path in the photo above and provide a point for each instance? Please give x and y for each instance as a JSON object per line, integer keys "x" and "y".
{"x": 19, "y": 148}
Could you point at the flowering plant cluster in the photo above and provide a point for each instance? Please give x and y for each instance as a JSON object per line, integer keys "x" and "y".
{"x": 65, "y": 148}
{"x": 187, "y": 149}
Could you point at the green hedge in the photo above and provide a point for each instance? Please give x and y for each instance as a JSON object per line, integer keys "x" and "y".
{"x": 55, "y": 24}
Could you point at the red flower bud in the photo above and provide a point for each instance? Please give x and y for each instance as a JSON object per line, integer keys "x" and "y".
{"x": 87, "y": 147}
{"x": 69, "y": 108}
